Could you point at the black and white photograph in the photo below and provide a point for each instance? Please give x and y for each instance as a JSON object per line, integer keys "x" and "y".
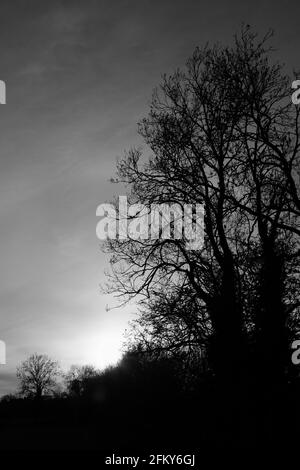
{"x": 150, "y": 230}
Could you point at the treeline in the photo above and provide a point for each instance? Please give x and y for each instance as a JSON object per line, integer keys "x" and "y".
{"x": 144, "y": 403}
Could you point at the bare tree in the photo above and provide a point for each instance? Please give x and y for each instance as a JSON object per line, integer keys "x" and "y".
{"x": 77, "y": 378}
{"x": 224, "y": 133}
{"x": 37, "y": 375}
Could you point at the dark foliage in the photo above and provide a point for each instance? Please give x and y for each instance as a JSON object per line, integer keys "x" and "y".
{"x": 147, "y": 404}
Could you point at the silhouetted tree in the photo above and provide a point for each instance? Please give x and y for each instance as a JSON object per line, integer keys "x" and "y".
{"x": 77, "y": 377}
{"x": 37, "y": 376}
{"x": 224, "y": 133}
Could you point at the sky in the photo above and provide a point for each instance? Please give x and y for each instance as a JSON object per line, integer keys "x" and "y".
{"x": 79, "y": 76}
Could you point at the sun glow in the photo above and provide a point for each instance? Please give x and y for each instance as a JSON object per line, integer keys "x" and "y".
{"x": 102, "y": 350}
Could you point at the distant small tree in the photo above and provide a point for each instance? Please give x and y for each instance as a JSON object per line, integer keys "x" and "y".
{"x": 37, "y": 376}
{"x": 77, "y": 378}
